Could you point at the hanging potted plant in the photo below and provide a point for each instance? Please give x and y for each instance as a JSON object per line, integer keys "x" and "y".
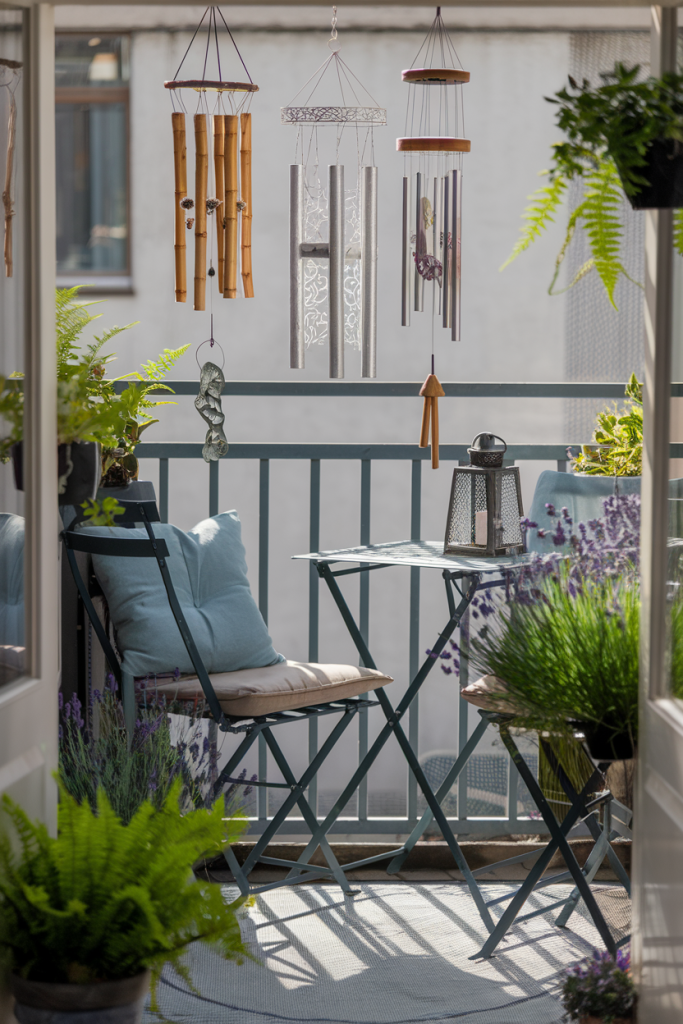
{"x": 624, "y": 140}
{"x": 87, "y": 919}
{"x": 600, "y": 990}
{"x": 98, "y": 426}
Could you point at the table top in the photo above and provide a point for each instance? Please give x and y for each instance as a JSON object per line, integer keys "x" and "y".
{"x": 424, "y": 554}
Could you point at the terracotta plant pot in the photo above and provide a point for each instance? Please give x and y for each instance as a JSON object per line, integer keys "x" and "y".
{"x": 108, "y": 1002}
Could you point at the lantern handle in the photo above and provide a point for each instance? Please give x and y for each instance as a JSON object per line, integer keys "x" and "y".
{"x": 487, "y": 433}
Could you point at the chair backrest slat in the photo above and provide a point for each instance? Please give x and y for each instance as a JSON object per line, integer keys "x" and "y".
{"x": 116, "y": 547}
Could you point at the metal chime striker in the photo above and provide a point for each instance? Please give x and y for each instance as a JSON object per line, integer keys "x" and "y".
{"x": 231, "y": 201}
{"x": 486, "y": 503}
{"x": 333, "y": 230}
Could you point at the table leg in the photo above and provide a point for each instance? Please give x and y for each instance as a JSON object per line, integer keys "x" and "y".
{"x": 393, "y": 716}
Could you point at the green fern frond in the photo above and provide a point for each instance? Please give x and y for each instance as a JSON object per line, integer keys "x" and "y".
{"x": 571, "y": 228}
{"x": 602, "y": 222}
{"x": 166, "y": 360}
{"x": 538, "y": 215}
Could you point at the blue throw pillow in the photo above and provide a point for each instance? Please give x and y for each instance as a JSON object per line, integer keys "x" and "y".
{"x": 11, "y": 580}
{"x": 209, "y": 572}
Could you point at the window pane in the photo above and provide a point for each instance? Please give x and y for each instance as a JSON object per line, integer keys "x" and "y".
{"x": 12, "y": 254}
{"x": 92, "y": 188}
{"x": 91, "y": 61}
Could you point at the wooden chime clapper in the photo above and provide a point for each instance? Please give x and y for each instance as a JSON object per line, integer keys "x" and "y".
{"x": 232, "y": 199}
{"x": 431, "y": 391}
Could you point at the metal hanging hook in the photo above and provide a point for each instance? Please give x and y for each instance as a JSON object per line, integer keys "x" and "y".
{"x": 333, "y": 44}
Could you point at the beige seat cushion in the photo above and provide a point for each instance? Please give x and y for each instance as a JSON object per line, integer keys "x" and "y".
{"x": 281, "y": 687}
{"x": 488, "y": 693}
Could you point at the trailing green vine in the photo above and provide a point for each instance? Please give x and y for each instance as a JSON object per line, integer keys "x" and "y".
{"x": 609, "y": 132}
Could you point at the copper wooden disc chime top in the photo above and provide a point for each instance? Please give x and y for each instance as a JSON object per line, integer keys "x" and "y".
{"x": 226, "y": 137}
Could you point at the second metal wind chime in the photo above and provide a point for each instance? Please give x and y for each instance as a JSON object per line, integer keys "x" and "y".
{"x": 333, "y": 225}
{"x": 230, "y": 206}
{"x": 432, "y": 149}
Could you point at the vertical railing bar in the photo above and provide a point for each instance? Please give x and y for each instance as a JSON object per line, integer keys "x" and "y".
{"x": 414, "y": 642}
{"x": 513, "y": 778}
{"x": 313, "y": 615}
{"x": 364, "y": 624}
{"x": 213, "y": 488}
{"x": 463, "y": 708}
{"x": 264, "y": 509}
{"x": 163, "y": 490}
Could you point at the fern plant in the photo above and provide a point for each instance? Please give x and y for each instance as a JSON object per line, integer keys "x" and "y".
{"x": 105, "y": 901}
{"x": 618, "y": 438}
{"x": 90, "y": 407}
{"x": 609, "y": 132}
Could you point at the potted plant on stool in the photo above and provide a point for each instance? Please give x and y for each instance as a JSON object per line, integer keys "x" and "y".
{"x": 89, "y": 917}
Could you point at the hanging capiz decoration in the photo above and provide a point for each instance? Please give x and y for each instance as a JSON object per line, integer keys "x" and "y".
{"x": 432, "y": 184}
{"x": 222, "y": 179}
{"x": 333, "y": 218}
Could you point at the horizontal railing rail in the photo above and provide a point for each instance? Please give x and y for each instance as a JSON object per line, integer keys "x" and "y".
{"x": 316, "y": 452}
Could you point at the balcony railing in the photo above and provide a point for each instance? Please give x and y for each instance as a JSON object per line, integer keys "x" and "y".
{"x": 366, "y": 454}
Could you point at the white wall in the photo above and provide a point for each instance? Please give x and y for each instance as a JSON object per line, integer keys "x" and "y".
{"x": 511, "y": 329}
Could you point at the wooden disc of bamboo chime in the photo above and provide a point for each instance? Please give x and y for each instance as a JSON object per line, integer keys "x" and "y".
{"x": 222, "y": 180}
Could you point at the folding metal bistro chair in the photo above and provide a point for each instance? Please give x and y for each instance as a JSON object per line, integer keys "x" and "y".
{"x": 345, "y": 706}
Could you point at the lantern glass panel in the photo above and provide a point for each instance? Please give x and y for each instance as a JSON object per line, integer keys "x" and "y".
{"x": 511, "y": 508}
{"x": 469, "y": 497}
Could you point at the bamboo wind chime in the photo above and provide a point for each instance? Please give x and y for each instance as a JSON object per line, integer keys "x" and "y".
{"x": 11, "y": 68}
{"x": 230, "y": 207}
{"x": 432, "y": 200}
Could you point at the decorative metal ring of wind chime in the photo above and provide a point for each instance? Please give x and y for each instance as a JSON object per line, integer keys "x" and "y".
{"x": 432, "y": 200}
{"x": 333, "y": 230}
{"x": 230, "y": 207}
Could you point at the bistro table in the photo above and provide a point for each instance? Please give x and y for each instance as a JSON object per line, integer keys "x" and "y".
{"x": 462, "y": 577}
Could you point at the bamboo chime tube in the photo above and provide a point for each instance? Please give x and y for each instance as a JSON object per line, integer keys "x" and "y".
{"x": 245, "y": 174}
{"x": 219, "y": 171}
{"x": 200, "y": 185}
{"x": 230, "y": 207}
{"x": 180, "y": 169}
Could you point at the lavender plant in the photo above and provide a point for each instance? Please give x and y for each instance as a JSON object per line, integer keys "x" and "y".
{"x": 99, "y": 756}
{"x": 600, "y": 987}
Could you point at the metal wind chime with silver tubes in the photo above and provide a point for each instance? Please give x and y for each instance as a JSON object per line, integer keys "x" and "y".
{"x": 432, "y": 200}
{"x": 229, "y": 207}
{"x": 333, "y": 225}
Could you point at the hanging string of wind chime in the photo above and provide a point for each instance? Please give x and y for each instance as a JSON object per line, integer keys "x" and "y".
{"x": 230, "y": 206}
{"x": 333, "y": 228}
{"x": 10, "y": 76}
{"x": 432, "y": 200}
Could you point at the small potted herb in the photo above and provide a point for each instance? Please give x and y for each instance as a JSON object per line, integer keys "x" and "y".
{"x": 600, "y": 990}
{"x": 89, "y": 917}
{"x": 617, "y": 448}
{"x": 624, "y": 139}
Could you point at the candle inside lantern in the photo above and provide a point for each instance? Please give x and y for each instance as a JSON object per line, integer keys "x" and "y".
{"x": 481, "y": 527}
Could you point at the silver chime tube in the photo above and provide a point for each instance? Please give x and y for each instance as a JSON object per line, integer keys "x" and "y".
{"x": 296, "y": 267}
{"x": 445, "y": 257}
{"x": 419, "y": 228}
{"x": 456, "y": 218}
{"x": 436, "y": 233}
{"x": 406, "y": 263}
{"x": 368, "y": 268}
{"x": 337, "y": 256}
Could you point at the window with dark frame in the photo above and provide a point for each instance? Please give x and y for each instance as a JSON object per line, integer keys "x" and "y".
{"x": 93, "y": 241}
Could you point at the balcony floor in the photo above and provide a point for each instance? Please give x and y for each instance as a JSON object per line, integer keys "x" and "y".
{"x": 396, "y": 953}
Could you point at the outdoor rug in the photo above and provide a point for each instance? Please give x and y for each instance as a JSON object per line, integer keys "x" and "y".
{"x": 393, "y": 954}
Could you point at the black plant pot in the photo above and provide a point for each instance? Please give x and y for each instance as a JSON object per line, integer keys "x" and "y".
{"x": 116, "y": 1002}
{"x": 79, "y": 467}
{"x": 664, "y": 171}
{"x": 605, "y": 744}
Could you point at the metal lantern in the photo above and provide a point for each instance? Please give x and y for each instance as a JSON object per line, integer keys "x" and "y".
{"x": 486, "y": 503}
